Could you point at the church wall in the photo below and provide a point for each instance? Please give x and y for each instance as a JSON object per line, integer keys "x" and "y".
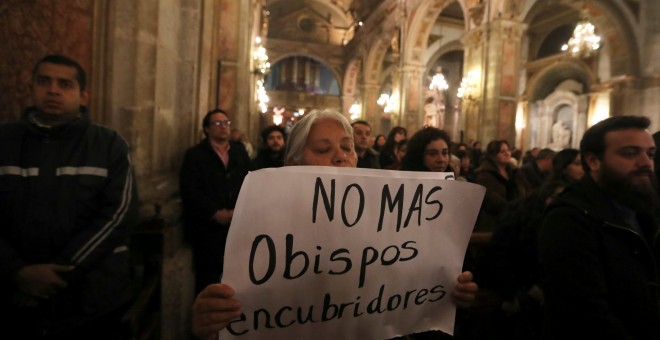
{"x": 32, "y": 29}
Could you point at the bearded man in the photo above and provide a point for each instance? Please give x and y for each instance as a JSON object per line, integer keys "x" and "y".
{"x": 599, "y": 247}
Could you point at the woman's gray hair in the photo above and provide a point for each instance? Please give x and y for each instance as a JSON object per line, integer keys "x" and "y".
{"x": 298, "y": 136}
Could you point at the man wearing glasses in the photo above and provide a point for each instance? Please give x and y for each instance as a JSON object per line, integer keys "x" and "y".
{"x": 210, "y": 179}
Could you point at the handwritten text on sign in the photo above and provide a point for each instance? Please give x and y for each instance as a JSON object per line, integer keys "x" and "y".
{"x": 347, "y": 253}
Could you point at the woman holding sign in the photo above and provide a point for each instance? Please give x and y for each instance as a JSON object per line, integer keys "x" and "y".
{"x": 322, "y": 138}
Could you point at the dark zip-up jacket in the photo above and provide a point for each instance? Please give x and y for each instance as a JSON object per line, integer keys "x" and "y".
{"x": 67, "y": 196}
{"x": 600, "y": 274}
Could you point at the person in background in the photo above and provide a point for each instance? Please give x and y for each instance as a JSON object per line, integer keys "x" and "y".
{"x": 379, "y": 141}
{"x": 530, "y": 155}
{"x": 567, "y": 166}
{"x": 466, "y": 169}
{"x": 540, "y": 169}
{"x": 367, "y": 157}
{"x": 428, "y": 150}
{"x": 387, "y": 155}
{"x": 477, "y": 154}
{"x": 322, "y": 138}
{"x": 235, "y": 135}
{"x": 598, "y": 243}
{"x": 504, "y": 183}
{"x": 210, "y": 179}
{"x": 508, "y": 273}
{"x": 516, "y": 157}
{"x": 271, "y": 153}
{"x": 456, "y": 147}
{"x": 68, "y": 204}
{"x": 248, "y": 146}
{"x": 401, "y": 148}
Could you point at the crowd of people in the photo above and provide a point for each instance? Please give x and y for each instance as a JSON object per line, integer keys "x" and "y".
{"x": 513, "y": 268}
{"x": 570, "y": 236}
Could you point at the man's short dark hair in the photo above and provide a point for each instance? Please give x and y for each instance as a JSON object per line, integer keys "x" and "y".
{"x": 207, "y": 119}
{"x": 593, "y": 141}
{"x": 546, "y": 153}
{"x": 58, "y": 59}
{"x": 363, "y": 122}
{"x": 270, "y": 129}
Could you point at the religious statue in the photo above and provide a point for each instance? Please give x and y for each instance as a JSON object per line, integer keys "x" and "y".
{"x": 561, "y": 135}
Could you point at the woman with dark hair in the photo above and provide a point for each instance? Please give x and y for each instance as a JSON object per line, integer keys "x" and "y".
{"x": 567, "y": 166}
{"x": 379, "y": 142}
{"x": 504, "y": 183}
{"x": 400, "y": 149}
{"x": 428, "y": 150}
{"x": 387, "y": 153}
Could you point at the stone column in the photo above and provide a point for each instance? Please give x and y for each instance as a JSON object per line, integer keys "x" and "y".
{"x": 411, "y": 97}
{"x": 371, "y": 112}
{"x": 501, "y": 76}
{"x": 472, "y": 102}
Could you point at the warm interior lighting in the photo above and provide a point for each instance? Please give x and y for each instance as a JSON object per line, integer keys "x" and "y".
{"x": 468, "y": 88}
{"x": 438, "y": 82}
{"x": 262, "y": 67}
{"x": 277, "y": 115}
{"x": 389, "y": 103}
{"x": 355, "y": 111}
{"x": 584, "y": 42}
{"x": 260, "y": 56}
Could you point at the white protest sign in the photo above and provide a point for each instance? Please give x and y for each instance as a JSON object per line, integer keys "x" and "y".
{"x": 339, "y": 253}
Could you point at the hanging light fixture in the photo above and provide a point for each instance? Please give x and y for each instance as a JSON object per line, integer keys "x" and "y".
{"x": 584, "y": 42}
{"x": 355, "y": 111}
{"x": 262, "y": 67}
{"x": 438, "y": 82}
{"x": 468, "y": 88}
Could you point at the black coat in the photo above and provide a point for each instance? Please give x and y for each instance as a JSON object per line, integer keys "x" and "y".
{"x": 207, "y": 186}
{"x": 599, "y": 274}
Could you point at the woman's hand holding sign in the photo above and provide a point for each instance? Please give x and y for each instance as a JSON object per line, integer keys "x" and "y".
{"x": 214, "y": 307}
{"x": 321, "y": 138}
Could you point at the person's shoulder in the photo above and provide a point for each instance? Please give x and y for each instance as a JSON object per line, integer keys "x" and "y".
{"x": 10, "y": 128}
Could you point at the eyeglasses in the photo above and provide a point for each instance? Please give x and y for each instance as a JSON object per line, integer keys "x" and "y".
{"x": 220, "y": 123}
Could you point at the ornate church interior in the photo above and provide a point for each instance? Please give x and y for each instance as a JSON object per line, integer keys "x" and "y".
{"x": 536, "y": 73}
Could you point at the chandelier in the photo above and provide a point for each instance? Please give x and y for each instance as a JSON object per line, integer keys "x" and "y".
{"x": 389, "y": 103}
{"x": 438, "y": 82}
{"x": 584, "y": 42}
{"x": 262, "y": 66}
{"x": 468, "y": 88}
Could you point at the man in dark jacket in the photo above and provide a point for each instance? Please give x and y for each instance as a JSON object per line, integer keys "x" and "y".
{"x": 210, "y": 179}
{"x": 367, "y": 156}
{"x": 271, "y": 153}
{"x": 68, "y": 202}
{"x": 599, "y": 246}
{"x": 539, "y": 169}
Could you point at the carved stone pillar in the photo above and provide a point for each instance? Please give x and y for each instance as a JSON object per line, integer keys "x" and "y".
{"x": 501, "y": 80}
{"x": 411, "y": 97}
{"x": 371, "y": 112}
{"x": 493, "y": 50}
{"x": 472, "y": 102}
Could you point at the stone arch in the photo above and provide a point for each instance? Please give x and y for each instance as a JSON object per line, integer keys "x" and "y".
{"x": 614, "y": 22}
{"x": 544, "y": 82}
{"x": 351, "y": 75}
{"x": 375, "y": 56}
{"x": 420, "y": 25}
